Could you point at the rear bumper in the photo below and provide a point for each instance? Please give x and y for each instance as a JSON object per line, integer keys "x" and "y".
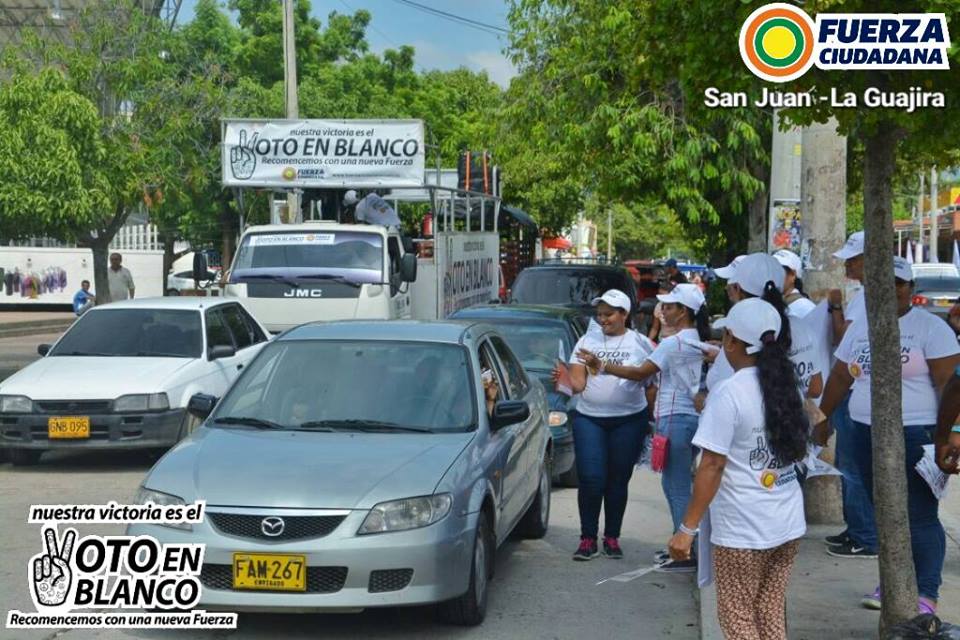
{"x": 107, "y": 431}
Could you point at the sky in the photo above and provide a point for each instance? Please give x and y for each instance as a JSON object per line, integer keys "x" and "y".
{"x": 439, "y": 43}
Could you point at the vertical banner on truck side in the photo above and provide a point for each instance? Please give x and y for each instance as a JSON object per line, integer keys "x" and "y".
{"x": 469, "y": 264}
{"x": 323, "y": 153}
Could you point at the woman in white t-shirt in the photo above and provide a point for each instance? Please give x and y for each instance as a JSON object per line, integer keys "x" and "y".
{"x": 679, "y": 362}
{"x": 752, "y": 433}
{"x": 929, "y": 353}
{"x": 798, "y": 304}
{"x": 609, "y": 424}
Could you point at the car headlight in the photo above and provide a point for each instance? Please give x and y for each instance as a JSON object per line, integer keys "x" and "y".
{"x": 409, "y": 513}
{"x": 141, "y": 402}
{"x": 558, "y": 418}
{"x": 161, "y": 499}
{"x": 15, "y": 404}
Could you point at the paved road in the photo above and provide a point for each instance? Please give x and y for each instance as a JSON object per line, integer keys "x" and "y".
{"x": 538, "y": 591}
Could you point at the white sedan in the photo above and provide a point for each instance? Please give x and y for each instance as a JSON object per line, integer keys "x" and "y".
{"x": 182, "y": 281}
{"x": 122, "y": 374}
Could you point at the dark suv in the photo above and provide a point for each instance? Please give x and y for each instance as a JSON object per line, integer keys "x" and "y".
{"x": 571, "y": 285}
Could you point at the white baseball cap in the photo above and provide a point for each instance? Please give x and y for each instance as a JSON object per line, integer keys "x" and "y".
{"x": 755, "y": 271}
{"x": 689, "y": 295}
{"x": 615, "y": 298}
{"x": 790, "y": 260}
{"x": 727, "y": 272}
{"x": 350, "y": 197}
{"x": 902, "y": 269}
{"x": 853, "y": 248}
{"x": 750, "y": 320}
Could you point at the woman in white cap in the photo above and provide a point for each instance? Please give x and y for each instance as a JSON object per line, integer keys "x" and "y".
{"x": 679, "y": 362}
{"x": 752, "y": 433}
{"x": 929, "y": 353}
{"x": 798, "y": 304}
{"x": 609, "y": 424}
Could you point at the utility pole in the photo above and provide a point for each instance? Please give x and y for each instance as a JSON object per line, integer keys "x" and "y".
{"x": 920, "y": 217}
{"x": 609, "y": 235}
{"x": 823, "y": 216}
{"x": 290, "y": 94}
{"x": 934, "y": 223}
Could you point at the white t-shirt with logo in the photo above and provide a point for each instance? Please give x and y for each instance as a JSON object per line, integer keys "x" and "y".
{"x": 680, "y": 364}
{"x": 607, "y": 395}
{"x": 923, "y": 336}
{"x": 759, "y": 504}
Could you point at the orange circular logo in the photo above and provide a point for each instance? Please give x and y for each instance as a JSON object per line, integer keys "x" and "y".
{"x": 777, "y": 42}
{"x": 289, "y": 173}
{"x": 768, "y": 479}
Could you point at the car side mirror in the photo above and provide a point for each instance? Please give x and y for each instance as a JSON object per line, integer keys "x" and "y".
{"x": 221, "y": 351}
{"x": 508, "y": 412}
{"x": 408, "y": 267}
{"x": 43, "y": 349}
{"x": 201, "y": 405}
{"x": 200, "y": 268}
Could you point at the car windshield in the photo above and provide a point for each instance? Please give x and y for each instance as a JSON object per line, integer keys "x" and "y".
{"x": 565, "y": 286}
{"x": 943, "y": 283}
{"x": 537, "y": 346}
{"x": 353, "y": 254}
{"x": 170, "y": 333}
{"x": 328, "y": 385}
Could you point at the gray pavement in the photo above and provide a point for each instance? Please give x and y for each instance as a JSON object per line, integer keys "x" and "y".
{"x": 538, "y": 591}
{"x": 19, "y": 351}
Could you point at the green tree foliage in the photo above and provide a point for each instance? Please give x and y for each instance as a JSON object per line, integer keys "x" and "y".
{"x": 641, "y": 231}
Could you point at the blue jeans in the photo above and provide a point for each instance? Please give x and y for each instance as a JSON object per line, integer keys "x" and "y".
{"x": 607, "y": 450}
{"x": 677, "y": 480}
{"x": 857, "y": 494}
{"x": 927, "y": 537}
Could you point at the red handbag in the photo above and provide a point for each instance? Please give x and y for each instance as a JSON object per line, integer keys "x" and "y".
{"x": 659, "y": 445}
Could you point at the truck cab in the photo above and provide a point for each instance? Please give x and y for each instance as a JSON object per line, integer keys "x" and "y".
{"x": 321, "y": 270}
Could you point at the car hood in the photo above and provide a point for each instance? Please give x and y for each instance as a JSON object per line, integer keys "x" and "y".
{"x": 91, "y": 377}
{"x": 301, "y": 469}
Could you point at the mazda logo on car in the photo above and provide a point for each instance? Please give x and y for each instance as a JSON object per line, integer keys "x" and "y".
{"x": 272, "y": 526}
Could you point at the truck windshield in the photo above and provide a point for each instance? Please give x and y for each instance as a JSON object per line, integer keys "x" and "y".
{"x": 354, "y": 254}
{"x": 355, "y": 385}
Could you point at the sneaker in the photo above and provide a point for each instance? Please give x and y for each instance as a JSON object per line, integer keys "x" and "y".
{"x": 587, "y": 549}
{"x": 926, "y": 605}
{"x": 611, "y": 547}
{"x": 678, "y": 566}
{"x": 872, "y": 600}
{"x": 838, "y": 540}
{"x": 661, "y": 556}
{"x": 851, "y": 550}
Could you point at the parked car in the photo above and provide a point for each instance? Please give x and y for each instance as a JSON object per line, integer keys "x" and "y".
{"x": 536, "y": 334}
{"x": 572, "y": 285}
{"x": 182, "y": 281}
{"x": 358, "y": 460}
{"x": 936, "y": 269}
{"x": 936, "y": 294}
{"x": 122, "y": 375}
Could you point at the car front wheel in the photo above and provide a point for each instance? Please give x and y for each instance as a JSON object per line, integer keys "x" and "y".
{"x": 470, "y": 609}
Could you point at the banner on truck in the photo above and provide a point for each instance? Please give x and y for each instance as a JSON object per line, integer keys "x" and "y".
{"x": 323, "y": 153}
{"x": 469, "y": 264}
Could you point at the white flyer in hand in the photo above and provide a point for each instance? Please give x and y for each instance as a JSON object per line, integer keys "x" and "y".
{"x": 817, "y": 467}
{"x": 929, "y": 471}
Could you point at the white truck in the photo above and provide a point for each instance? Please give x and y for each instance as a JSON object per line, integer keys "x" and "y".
{"x": 288, "y": 274}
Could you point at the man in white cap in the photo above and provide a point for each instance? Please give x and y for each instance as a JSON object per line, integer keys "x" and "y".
{"x": 371, "y": 209}
{"x": 859, "y": 540}
{"x": 798, "y": 305}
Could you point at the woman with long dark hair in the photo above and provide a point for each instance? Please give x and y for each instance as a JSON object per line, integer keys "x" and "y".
{"x": 679, "y": 362}
{"x": 798, "y": 304}
{"x": 752, "y": 433}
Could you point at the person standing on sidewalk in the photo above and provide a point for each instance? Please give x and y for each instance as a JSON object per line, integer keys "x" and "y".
{"x": 859, "y": 539}
{"x": 929, "y": 355}
{"x": 120, "y": 279}
{"x": 798, "y": 305}
{"x": 609, "y": 424}
{"x": 752, "y": 433}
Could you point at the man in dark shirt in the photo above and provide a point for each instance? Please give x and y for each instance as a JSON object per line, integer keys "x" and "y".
{"x": 673, "y": 274}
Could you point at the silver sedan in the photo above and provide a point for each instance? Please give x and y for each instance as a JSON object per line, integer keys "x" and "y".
{"x": 363, "y": 464}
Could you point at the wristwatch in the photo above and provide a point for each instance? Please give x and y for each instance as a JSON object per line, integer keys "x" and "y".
{"x": 835, "y": 307}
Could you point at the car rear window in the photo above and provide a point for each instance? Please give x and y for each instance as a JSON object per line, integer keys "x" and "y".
{"x": 565, "y": 286}
{"x": 928, "y": 283}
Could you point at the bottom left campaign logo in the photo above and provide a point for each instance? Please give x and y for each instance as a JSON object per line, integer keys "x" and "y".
{"x": 97, "y": 581}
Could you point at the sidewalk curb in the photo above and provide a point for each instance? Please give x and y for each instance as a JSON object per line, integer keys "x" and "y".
{"x": 38, "y": 327}
{"x": 709, "y": 625}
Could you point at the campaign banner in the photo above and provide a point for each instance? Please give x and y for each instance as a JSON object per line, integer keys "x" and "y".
{"x": 323, "y": 153}
{"x": 469, "y": 264}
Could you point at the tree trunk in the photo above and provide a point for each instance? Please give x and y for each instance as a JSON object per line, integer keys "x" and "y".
{"x": 101, "y": 282}
{"x": 228, "y": 235}
{"x": 897, "y": 577}
{"x": 168, "y": 257}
